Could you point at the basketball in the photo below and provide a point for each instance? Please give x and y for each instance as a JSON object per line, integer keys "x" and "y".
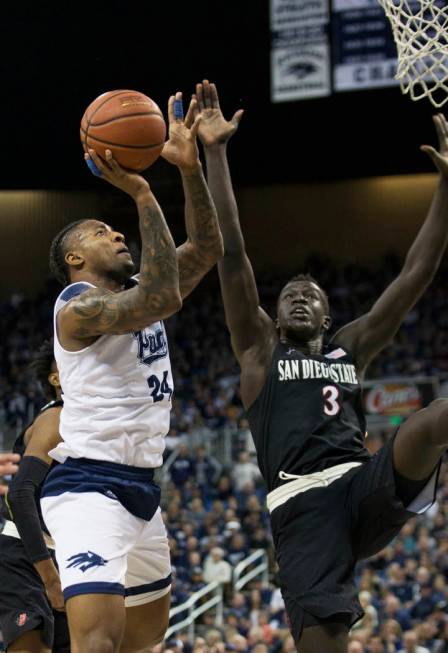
{"x": 129, "y": 124}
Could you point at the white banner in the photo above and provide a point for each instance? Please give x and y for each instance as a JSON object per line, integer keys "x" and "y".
{"x": 346, "y": 5}
{"x": 287, "y": 14}
{"x": 300, "y": 53}
{"x": 364, "y": 52}
{"x": 300, "y": 72}
{"x": 369, "y": 74}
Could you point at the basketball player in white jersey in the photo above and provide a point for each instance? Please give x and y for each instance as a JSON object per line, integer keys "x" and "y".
{"x": 100, "y": 504}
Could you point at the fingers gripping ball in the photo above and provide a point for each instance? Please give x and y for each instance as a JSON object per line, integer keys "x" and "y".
{"x": 129, "y": 124}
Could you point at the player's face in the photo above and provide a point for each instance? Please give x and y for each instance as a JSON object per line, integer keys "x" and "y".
{"x": 104, "y": 250}
{"x": 301, "y": 311}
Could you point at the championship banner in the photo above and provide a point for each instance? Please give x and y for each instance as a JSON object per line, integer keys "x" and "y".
{"x": 364, "y": 52}
{"x": 398, "y": 397}
{"x": 300, "y": 51}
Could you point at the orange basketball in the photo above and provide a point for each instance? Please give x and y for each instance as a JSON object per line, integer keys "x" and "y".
{"x": 129, "y": 124}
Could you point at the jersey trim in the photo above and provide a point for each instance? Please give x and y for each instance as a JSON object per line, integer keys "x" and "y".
{"x": 73, "y": 290}
{"x": 93, "y": 588}
{"x": 149, "y": 587}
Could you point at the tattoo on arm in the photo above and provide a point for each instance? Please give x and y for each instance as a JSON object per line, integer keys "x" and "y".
{"x": 159, "y": 269}
{"x": 204, "y": 246}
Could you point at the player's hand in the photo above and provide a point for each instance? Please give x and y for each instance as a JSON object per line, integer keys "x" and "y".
{"x": 181, "y": 148}
{"x": 439, "y": 158}
{"x": 54, "y": 593}
{"x": 130, "y": 182}
{"x": 214, "y": 129}
{"x": 8, "y": 463}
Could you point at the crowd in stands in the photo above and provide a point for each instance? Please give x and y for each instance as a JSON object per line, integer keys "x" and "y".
{"x": 215, "y": 513}
{"x": 204, "y": 367}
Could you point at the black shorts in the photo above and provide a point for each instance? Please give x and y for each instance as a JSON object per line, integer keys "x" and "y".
{"x": 320, "y": 534}
{"x": 23, "y": 602}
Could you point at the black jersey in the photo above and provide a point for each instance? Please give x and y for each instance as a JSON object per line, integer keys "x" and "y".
{"x": 309, "y": 414}
{"x": 19, "y": 447}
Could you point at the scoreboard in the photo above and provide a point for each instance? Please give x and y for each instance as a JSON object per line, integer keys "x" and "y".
{"x": 319, "y": 47}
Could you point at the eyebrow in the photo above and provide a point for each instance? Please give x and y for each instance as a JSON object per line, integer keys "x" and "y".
{"x": 102, "y": 225}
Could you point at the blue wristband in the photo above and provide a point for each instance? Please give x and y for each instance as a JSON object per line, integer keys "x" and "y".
{"x": 178, "y": 110}
{"x": 93, "y": 169}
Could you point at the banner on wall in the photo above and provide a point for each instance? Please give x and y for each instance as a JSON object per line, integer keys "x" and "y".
{"x": 364, "y": 52}
{"x": 300, "y": 51}
{"x": 398, "y": 397}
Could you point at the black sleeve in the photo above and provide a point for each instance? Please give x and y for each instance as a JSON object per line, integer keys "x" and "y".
{"x": 21, "y": 499}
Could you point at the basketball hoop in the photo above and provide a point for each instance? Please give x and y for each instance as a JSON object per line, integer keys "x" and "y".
{"x": 420, "y": 29}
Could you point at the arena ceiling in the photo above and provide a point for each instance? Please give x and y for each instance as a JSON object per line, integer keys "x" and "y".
{"x": 56, "y": 57}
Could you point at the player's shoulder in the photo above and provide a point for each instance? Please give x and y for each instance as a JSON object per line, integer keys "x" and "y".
{"x": 46, "y": 422}
{"x": 49, "y": 412}
{"x": 71, "y": 292}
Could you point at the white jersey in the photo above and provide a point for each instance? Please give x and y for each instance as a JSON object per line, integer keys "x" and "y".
{"x": 117, "y": 394}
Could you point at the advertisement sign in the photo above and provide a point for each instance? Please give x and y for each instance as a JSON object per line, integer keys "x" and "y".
{"x": 398, "y": 397}
{"x": 300, "y": 51}
{"x": 364, "y": 52}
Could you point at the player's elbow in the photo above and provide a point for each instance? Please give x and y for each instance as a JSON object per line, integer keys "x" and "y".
{"x": 172, "y": 304}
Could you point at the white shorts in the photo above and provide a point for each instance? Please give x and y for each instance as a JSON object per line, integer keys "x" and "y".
{"x": 101, "y": 548}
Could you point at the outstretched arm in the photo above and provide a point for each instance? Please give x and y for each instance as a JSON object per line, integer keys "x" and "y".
{"x": 203, "y": 247}
{"x": 249, "y": 325}
{"x": 157, "y": 296}
{"x": 366, "y": 336}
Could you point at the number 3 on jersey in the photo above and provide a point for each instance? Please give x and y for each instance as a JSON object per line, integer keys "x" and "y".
{"x": 159, "y": 388}
{"x": 331, "y": 396}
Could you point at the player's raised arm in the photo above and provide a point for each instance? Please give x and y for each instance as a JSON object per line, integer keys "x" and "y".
{"x": 249, "y": 325}
{"x": 203, "y": 247}
{"x": 367, "y": 335}
{"x": 100, "y": 310}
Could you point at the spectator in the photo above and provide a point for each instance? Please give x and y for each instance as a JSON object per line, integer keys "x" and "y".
{"x": 354, "y": 646}
{"x": 182, "y": 468}
{"x": 376, "y": 645}
{"x": 245, "y": 471}
{"x": 425, "y": 605}
{"x": 216, "y": 568}
{"x": 410, "y": 643}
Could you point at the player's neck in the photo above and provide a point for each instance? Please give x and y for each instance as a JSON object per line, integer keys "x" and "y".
{"x": 100, "y": 281}
{"x": 311, "y": 347}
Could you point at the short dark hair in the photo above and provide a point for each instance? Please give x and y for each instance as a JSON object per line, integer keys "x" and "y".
{"x": 41, "y": 368}
{"x": 311, "y": 279}
{"x": 58, "y": 266}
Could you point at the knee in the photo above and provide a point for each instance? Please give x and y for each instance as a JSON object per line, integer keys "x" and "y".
{"x": 145, "y": 640}
{"x": 97, "y": 643}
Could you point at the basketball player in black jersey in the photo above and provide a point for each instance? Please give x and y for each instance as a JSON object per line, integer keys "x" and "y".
{"x": 331, "y": 503}
{"x": 32, "y": 617}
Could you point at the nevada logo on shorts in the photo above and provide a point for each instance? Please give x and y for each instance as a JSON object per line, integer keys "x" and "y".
{"x": 86, "y": 561}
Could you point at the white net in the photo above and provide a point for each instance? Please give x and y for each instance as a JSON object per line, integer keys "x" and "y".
{"x": 420, "y": 29}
